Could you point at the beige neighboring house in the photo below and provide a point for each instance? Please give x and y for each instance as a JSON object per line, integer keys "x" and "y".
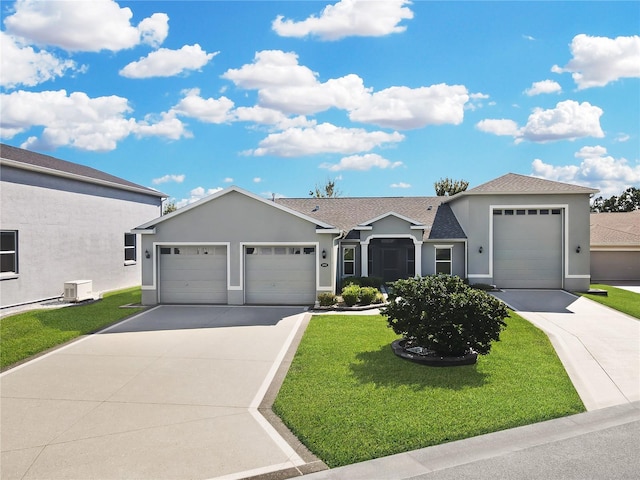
{"x": 615, "y": 247}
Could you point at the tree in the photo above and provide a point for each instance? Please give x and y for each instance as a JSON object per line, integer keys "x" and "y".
{"x": 444, "y": 315}
{"x": 448, "y": 187}
{"x": 169, "y": 207}
{"x": 628, "y": 201}
{"x": 328, "y": 190}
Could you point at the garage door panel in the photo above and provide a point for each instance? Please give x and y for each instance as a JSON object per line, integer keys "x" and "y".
{"x": 528, "y": 251}
{"x": 283, "y": 279}
{"x": 196, "y": 275}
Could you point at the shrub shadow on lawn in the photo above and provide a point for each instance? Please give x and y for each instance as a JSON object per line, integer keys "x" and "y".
{"x": 383, "y": 368}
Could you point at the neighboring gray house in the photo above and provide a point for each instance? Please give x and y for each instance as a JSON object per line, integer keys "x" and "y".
{"x": 64, "y": 222}
{"x": 615, "y": 247}
{"x": 234, "y": 247}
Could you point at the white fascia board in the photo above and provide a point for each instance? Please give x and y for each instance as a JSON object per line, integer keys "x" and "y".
{"x": 146, "y": 231}
{"x": 80, "y": 178}
{"x": 334, "y": 231}
{"x": 459, "y": 195}
{"x": 363, "y": 227}
{"x": 418, "y": 227}
{"x": 385, "y": 215}
{"x": 230, "y": 189}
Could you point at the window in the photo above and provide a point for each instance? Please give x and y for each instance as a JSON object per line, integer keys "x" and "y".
{"x": 9, "y": 251}
{"x": 443, "y": 260}
{"x": 349, "y": 261}
{"x": 129, "y": 247}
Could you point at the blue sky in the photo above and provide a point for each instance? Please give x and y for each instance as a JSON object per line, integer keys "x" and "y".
{"x": 386, "y": 97}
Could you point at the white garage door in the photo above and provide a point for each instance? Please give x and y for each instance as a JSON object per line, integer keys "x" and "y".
{"x": 527, "y": 248}
{"x": 193, "y": 274}
{"x": 276, "y": 275}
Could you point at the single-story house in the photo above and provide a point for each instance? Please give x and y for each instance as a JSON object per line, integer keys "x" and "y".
{"x": 615, "y": 247}
{"x": 63, "y": 222}
{"x": 235, "y": 247}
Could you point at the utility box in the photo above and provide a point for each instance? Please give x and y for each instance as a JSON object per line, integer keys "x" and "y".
{"x": 78, "y": 290}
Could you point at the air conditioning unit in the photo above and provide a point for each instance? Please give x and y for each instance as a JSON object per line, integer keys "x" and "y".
{"x": 78, "y": 290}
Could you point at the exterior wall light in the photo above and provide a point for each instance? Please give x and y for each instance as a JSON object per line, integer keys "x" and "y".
{"x": 147, "y": 254}
{"x": 324, "y": 253}
{"x": 578, "y": 249}
{"x": 480, "y": 249}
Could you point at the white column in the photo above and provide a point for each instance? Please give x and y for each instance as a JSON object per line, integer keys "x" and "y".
{"x": 418, "y": 258}
{"x": 364, "y": 258}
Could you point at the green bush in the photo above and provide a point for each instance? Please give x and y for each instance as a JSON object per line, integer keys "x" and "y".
{"x": 368, "y": 295}
{"x": 326, "y": 299}
{"x": 379, "y": 298}
{"x": 441, "y": 313}
{"x": 351, "y": 295}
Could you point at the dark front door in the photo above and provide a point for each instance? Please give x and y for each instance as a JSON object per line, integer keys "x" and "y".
{"x": 391, "y": 258}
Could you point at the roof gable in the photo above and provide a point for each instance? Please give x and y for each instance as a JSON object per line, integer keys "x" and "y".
{"x": 390, "y": 214}
{"x": 226, "y": 191}
{"x": 513, "y": 183}
{"x": 27, "y": 160}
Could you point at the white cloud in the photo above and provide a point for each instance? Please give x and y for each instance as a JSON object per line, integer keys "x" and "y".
{"x": 498, "y": 126}
{"x": 84, "y": 26}
{"x": 23, "y": 65}
{"x": 361, "y": 163}
{"x": 598, "y": 61}
{"x": 168, "y": 63}
{"x": 569, "y": 120}
{"x": 400, "y": 185}
{"x": 169, "y": 178}
{"x": 257, "y": 180}
{"x": 323, "y": 138}
{"x": 285, "y": 85}
{"x": 208, "y": 110}
{"x": 269, "y": 116}
{"x": 196, "y": 194}
{"x": 544, "y": 86}
{"x": 77, "y": 120}
{"x": 528, "y": 37}
{"x": 622, "y": 137}
{"x": 349, "y": 18}
{"x": 407, "y": 108}
{"x": 597, "y": 169}
{"x": 228, "y": 180}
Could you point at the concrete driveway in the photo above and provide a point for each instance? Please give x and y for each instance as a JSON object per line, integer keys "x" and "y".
{"x": 172, "y": 393}
{"x": 598, "y": 346}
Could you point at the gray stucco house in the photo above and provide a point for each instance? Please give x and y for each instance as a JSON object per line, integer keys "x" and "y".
{"x": 615, "y": 247}
{"x": 63, "y": 222}
{"x": 234, "y": 247}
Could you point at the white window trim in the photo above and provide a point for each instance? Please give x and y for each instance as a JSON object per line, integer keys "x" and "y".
{"x": 133, "y": 247}
{"x": 13, "y": 273}
{"x": 344, "y": 262}
{"x": 436, "y": 261}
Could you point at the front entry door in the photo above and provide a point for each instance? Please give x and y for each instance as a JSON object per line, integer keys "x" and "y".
{"x": 391, "y": 270}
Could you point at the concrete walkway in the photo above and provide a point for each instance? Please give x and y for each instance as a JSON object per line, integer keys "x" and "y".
{"x": 172, "y": 393}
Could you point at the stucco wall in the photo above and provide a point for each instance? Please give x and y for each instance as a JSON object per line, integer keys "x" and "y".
{"x": 68, "y": 230}
{"x": 236, "y": 219}
{"x": 474, "y": 214}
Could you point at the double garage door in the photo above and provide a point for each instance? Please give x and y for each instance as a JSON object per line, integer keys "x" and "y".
{"x": 527, "y": 248}
{"x": 273, "y": 275}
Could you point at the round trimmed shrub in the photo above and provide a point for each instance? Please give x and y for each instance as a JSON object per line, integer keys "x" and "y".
{"x": 351, "y": 295}
{"x": 326, "y": 299}
{"x": 368, "y": 295}
{"x": 443, "y": 314}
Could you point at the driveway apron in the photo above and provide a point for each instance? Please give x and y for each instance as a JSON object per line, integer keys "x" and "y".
{"x": 598, "y": 346}
{"x": 172, "y": 393}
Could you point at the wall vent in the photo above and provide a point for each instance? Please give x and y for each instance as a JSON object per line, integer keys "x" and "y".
{"x": 78, "y": 290}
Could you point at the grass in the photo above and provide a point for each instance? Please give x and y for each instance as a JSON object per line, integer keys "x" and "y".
{"x": 29, "y": 333}
{"x": 617, "y": 298}
{"x": 348, "y": 398}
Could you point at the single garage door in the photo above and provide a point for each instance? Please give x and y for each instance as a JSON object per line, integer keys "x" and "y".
{"x": 278, "y": 275}
{"x": 527, "y": 248}
{"x": 193, "y": 274}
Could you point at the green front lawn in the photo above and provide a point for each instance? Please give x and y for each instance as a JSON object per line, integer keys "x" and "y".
{"x": 26, "y": 334}
{"x": 617, "y": 298}
{"x": 350, "y": 399}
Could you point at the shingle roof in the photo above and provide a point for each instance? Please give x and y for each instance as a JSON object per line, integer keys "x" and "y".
{"x": 513, "y": 183}
{"x": 65, "y": 168}
{"x": 347, "y": 213}
{"x": 615, "y": 229}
